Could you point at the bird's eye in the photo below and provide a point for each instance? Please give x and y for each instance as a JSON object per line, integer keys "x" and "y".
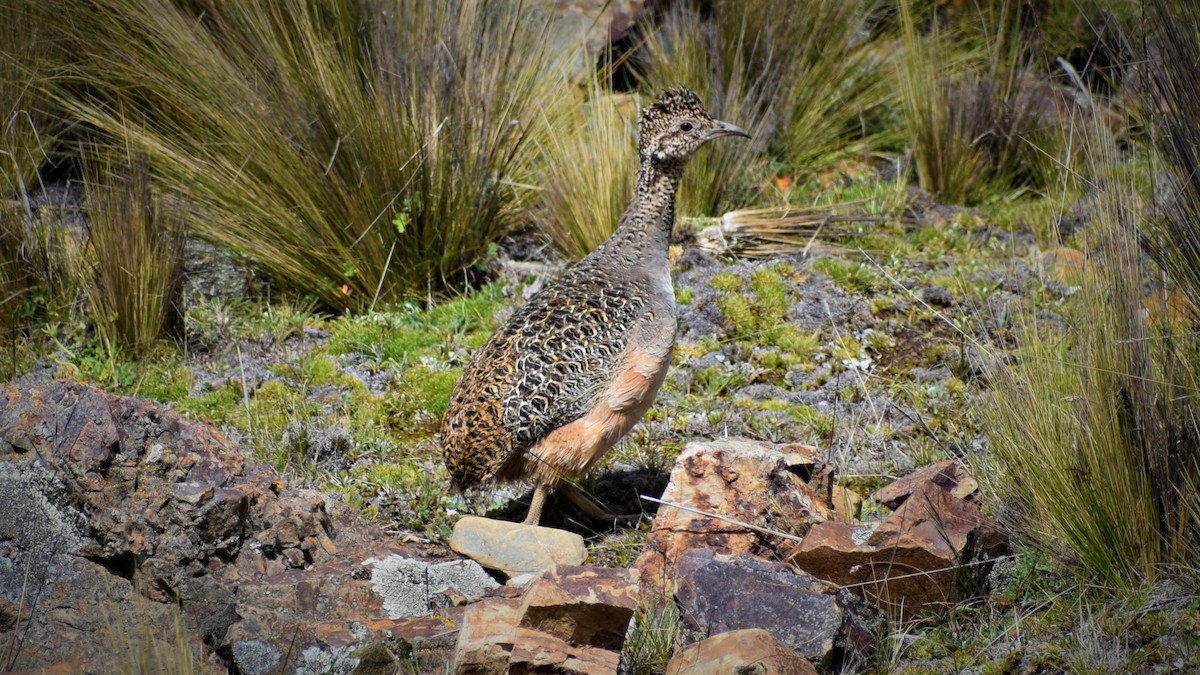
{"x": 685, "y": 126}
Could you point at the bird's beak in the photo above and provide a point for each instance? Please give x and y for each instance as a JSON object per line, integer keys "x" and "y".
{"x": 724, "y": 129}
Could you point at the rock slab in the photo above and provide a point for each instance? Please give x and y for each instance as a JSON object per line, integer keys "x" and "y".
{"x": 912, "y": 560}
{"x": 719, "y": 593}
{"x": 569, "y": 620}
{"x": 750, "y": 650}
{"x": 515, "y": 548}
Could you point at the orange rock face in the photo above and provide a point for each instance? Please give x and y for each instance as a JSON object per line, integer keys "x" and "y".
{"x": 745, "y": 481}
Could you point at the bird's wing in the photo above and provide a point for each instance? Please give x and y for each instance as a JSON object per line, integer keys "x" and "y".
{"x": 572, "y": 342}
{"x": 540, "y": 371}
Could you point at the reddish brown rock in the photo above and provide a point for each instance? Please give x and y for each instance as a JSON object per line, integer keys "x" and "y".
{"x": 122, "y": 513}
{"x": 847, "y": 504}
{"x": 747, "y": 481}
{"x": 569, "y": 620}
{"x": 909, "y": 561}
{"x": 718, "y": 593}
{"x": 485, "y": 640}
{"x": 947, "y": 474}
{"x": 750, "y": 650}
{"x": 573, "y": 620}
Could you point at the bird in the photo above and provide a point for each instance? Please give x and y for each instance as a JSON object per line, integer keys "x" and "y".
{"x": 578, "y": 365}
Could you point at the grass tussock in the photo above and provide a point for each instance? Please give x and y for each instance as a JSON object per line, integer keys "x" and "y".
{"x": 1095, "y": 426}
{"x": 134, "y": 266}
{"x": 795, "y": 76}
{"x": 980, "y": 123}
{"x": 27, "y": 124}
{"x": 354, "y": 155}
{"x": 1174, "y": 239}
{"x": 589, "y": 164}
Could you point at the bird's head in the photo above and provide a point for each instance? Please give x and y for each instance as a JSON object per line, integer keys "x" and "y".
{"x": 676, "y": 125}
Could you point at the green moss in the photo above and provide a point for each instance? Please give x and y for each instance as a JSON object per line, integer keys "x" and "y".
{"x": 164, "y": 383}
{"x": 726, "y": 282}
{"x": 855, "y": 278}
{"x": 431, "y": 389}
{"x": 819, "y": 423}
{"x": 798, "y": 343}
{"x": 739, "y": 314}
{"x": 717, "y": 381}
{"x": 684, "y": 296}
{"x": 771, "y": 293}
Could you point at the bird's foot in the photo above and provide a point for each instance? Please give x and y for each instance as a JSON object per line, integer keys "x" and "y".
{"x": 594, "y": 510}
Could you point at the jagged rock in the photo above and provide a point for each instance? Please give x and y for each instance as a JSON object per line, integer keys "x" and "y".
{"x": 485, "y": 638}
{"x": 718, "y": 593}
{"x": 574, "y": 619}
{"x": 515, "y": 548}
{"x": 909, "y": 561}
{"x": 750, "y": 650}
{"x": 116, "y": 509}
{"x": 947, "y": 474}
{"x": 747, "y": 481}
{"x": 570, "y": 620}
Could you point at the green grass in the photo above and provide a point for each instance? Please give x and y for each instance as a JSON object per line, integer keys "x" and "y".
{"x": 798, "y": 77}
{"x": 1093, "y": 427}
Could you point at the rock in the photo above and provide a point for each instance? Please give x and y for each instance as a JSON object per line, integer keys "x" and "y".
{"x": 485, "y": 639}
{"x": 409, "y": 587}
{"x": 574, "y": 619}
{"x": 847, "y": 504}
{"x": 750, "y": 650}
{"x": 908, "y": 562}
{"x": 125, "y": 515}
{"x": 947, "y": 474}
{"x": 590, "y": 24}
{"x": 570, "y": 620}
{"x": 718, "y": 593}
{"x": 515, "y": 548}
{"x": 747, "y": 481}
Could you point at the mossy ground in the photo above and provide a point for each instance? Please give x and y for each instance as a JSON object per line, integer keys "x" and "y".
{"x": 871, "y": 351}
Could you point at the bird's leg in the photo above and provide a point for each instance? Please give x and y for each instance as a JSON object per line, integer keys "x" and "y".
{"x": 595, "y": 511}
{"x": 535, "y": 506}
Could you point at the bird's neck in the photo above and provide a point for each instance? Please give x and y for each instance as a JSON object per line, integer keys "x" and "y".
{"x": 650, "y": 217}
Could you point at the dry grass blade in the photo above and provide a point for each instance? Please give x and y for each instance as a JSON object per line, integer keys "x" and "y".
{"x": 1175, "y": 240}
{"x": 353, "y": 154}
{"x": 588, "y": 167}
{"x": 764, "y": 233}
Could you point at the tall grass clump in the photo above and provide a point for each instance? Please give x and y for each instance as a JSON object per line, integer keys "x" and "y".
{"x": 796, "y": 76}
{"x": 588, "y": 168}
{"x": 1094, "y": 429}
{"x": 978, "y": 120}
{"x": 27, "y": 128}
{"x": 1175, "y": 239}
{"x": 28, "y": 55}
{"x": 355, "y": 151}
{"x": 134, "y": 259}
